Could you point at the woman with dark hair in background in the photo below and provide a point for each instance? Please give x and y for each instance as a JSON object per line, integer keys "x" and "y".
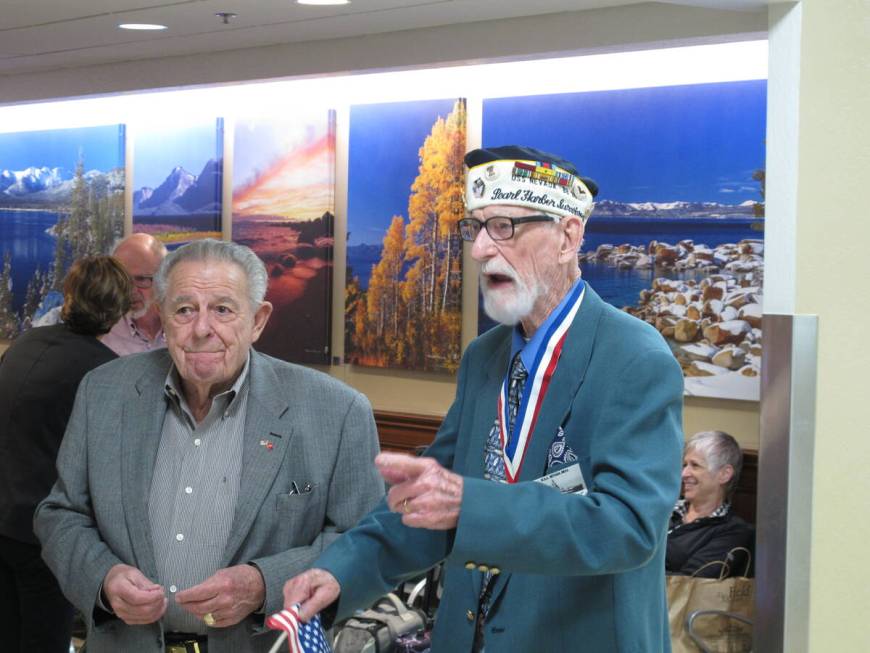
{"x": 39, "y": 376}
{"x": 703, "y": 529}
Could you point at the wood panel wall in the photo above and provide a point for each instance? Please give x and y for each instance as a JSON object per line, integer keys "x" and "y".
{"x": 411, "y": 433}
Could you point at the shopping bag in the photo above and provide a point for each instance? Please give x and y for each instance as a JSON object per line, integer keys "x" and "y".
{"x": 714, "y": 600}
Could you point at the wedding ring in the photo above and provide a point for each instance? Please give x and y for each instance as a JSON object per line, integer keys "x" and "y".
{"x": 405, "y": 506}
{"x": 209, "y": 619}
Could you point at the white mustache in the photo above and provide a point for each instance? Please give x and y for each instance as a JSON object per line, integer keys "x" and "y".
{"x": 494, "y": 266}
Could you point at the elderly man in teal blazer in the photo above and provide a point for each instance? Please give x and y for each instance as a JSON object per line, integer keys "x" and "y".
{"x": 548, "y": 488}
{"x": 191, "y": 479}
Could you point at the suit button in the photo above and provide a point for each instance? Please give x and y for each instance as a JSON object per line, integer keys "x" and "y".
{"x": 470, "y": 565}
{"x": 495, "y": 571}
{"x": 469, "y": 615}
{"x": 482, "y": 569}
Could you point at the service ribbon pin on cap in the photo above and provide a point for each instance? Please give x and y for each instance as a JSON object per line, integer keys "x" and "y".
{"x": 520, "y": 176}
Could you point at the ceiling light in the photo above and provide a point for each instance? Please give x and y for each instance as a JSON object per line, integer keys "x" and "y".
{"x": 141, "y": 26}
{"x": 323, "y": 2}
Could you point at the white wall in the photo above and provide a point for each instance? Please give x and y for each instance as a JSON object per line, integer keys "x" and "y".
{"x": 832, "y": 229}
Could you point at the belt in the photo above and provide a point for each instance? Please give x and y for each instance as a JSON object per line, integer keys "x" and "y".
{"x": 186, "y": 643}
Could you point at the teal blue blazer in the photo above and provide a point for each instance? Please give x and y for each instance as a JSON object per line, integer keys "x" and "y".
{"x": 578, "y": 572}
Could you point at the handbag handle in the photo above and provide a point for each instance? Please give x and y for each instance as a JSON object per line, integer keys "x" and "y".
{"x": 690, "y": 624}
{"x": 748, "y": 553}
{"x": 726, "y": 565}
{"x": 722, "y": 574}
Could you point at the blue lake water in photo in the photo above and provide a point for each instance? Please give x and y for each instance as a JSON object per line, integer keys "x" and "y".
{"x": 622, "y": 287}
{"x": 23, "y": 233}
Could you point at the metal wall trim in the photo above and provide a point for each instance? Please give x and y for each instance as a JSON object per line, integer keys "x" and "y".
{"x": 785, "y": 483}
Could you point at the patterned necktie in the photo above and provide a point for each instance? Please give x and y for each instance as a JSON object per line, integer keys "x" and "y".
{"x": 492, "y": 455}
{"x": 515, "y": 392}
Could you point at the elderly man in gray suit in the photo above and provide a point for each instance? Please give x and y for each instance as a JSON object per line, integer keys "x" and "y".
{"x": 192, "y": 480}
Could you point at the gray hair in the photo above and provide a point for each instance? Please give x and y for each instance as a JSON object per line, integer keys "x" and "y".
{"x": 719, "y": 449}
{"x": 210, "y": 249}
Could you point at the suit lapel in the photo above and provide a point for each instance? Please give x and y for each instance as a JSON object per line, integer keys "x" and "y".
{"x": 485, "y": 407}
{"x": 484, "y": 414}
{"x": 140, "y": 431}
{"x": 564, "y": 386}
{"x": 265, "y": 421}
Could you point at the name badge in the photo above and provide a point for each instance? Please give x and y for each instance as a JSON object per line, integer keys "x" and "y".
{"x": 568, "y": 480}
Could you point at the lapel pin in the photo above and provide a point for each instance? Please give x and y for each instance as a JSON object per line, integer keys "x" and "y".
{"x": 267, "y": 443}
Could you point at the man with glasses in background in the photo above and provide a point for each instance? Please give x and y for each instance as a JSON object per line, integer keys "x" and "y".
{"x": 140, "y": 329}
{"x": 548, "y": 487}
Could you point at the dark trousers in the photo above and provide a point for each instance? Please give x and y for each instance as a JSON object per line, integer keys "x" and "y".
{"x": 34, "y": 615}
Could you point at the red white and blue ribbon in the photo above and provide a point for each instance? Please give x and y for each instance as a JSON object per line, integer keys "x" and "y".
{"x": 301, "y": 637}
{"x": 515, "y": 444}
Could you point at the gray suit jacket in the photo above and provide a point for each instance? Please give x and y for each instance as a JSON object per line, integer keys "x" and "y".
{"x": 96, "y": 516}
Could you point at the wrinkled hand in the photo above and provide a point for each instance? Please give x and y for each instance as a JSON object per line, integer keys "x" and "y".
{"x": 313, "y": 590}
{"x": 426, "y": 494}
{"x": 230, "y": 595}
{"x": 132, "y": 597}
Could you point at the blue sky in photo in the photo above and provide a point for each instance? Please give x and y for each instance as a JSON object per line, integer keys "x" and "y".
{"x": 158, "y": 150}
{"x": 695, "y": 143}
{"x": 383, "y": 161}
{"x": 101, "y": 148}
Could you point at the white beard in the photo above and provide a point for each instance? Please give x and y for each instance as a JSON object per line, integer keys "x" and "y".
{"x": 135, "y": 315}
{"x": 507, "y": 307}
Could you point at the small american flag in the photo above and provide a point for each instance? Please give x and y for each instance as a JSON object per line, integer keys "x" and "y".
{"x": 301, "y": 637}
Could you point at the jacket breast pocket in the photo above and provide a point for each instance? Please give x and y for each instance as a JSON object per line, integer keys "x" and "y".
{"x": 299, "y": 515}
{"x": 291, "y": 503}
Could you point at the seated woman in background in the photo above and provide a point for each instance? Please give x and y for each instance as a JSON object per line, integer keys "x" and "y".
{"x": 39, "y": 376}
{"x": 703, "y": 529}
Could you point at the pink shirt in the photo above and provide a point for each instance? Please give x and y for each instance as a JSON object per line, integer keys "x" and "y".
{"x": 125, "y": 338}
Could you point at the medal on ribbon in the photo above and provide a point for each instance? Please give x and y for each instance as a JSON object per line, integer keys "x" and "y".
{"x": 515, "y": 444}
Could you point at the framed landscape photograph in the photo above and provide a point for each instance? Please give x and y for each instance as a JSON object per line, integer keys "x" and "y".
{"x": 677, "y": 234}
{"x": 177, "y": 177}
{"x": 406, "y": 182}
{"x": 61, "y": 198}
{"x": 283, "y": 209}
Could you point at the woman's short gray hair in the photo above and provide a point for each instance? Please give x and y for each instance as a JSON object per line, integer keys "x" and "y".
{"x": 210, "y": 249}
{"x": 719, "y": 449}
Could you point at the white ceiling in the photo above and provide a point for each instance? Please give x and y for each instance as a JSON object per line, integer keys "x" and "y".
{"x": 46, "y": 35}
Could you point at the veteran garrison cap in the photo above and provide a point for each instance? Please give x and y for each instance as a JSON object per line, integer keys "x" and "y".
{"x": 525, "y": 176}
{"x": 487, "y": 154}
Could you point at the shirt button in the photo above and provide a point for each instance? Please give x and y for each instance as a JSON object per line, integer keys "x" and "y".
{"x": 188, "y": 490}
{"x": 469, "y": 615}
{"x": 179, "y": 537}
{"x": 173, "y": 589}
{"x": 197, "y": 442}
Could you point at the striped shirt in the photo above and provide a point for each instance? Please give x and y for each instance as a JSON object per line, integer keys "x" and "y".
{"x": 125, "y": 338}
{"x": 194, "y": 490}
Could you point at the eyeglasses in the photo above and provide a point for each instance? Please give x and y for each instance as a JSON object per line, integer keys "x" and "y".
{"x": 142, "y": 280}
{"x": 499, "y": 227}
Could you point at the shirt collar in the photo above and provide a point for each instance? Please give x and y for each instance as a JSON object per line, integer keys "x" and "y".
{"x": 136, "y": 333}
{"x": 530, "y": 346}
{"x": 172, "y": 389}
{"x": 682, "y": 509}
